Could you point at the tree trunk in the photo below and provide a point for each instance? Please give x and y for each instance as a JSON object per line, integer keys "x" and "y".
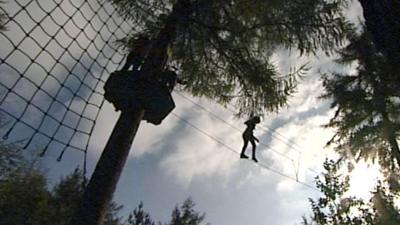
{"x": 104, "y": 180}
{"x": 382, "y": 18}
{"x": 395, "y": 149}
{"x": 391, "y": 137}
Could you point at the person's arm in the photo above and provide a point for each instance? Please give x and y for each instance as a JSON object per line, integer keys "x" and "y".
{"x": 256, "y": 139}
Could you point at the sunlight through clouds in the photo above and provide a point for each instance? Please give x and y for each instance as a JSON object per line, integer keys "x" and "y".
{"x": 363, "y": 180}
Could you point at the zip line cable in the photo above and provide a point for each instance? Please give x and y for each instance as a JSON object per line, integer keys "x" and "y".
{"x": 229, "y": 124}
{"x": 296, "y": 167}
{"x": 281, "y": 138}
{"x": 232, "y": 150}
{"x": 237, "y": 129}
{"x": 293, "y": 145}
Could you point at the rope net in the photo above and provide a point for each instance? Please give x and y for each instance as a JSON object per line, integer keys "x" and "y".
{"x": 55, "y": 58}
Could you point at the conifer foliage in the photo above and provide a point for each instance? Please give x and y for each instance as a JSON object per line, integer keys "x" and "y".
{"x": 335, "y": 206}
{"x": 222, "y": 49}
{"x": 382, "y": 21}
{"x": 25, "y": 197}
{"x": 367, "y": 105}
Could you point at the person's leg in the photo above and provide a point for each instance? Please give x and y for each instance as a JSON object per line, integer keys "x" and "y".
{"x": 136, "y": 63}
{"x": 128, "y": 61}
{"x": 132, "y": 60}
{"x": 253, "y": 143}
{"x": 242, "y": 154}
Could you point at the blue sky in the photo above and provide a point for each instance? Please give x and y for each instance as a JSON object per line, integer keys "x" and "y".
{"x": 173, "y": 161}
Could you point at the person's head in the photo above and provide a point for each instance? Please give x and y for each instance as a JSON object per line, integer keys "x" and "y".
{"x": 256, "y": 119}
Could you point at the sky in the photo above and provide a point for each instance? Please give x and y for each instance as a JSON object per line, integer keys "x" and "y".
{"x": 193, "y": 153}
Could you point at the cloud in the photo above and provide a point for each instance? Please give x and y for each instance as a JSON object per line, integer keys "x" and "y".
{"x": 188, "y": 154}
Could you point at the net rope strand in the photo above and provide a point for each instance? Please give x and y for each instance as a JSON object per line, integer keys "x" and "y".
{"x": 54, "y": 59}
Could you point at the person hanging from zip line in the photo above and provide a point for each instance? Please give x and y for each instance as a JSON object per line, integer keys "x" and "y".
{"x": 139, "y": 48}
{"x": 249, "y": 136}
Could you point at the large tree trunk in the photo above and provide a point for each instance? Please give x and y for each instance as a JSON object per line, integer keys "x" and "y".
{"x": 104, "y": 180}
{"x": 382, "y": 18}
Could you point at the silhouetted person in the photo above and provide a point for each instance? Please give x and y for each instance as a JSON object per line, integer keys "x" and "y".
{"x": 249, "y": 136}
{"x": 138, "y": 51}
